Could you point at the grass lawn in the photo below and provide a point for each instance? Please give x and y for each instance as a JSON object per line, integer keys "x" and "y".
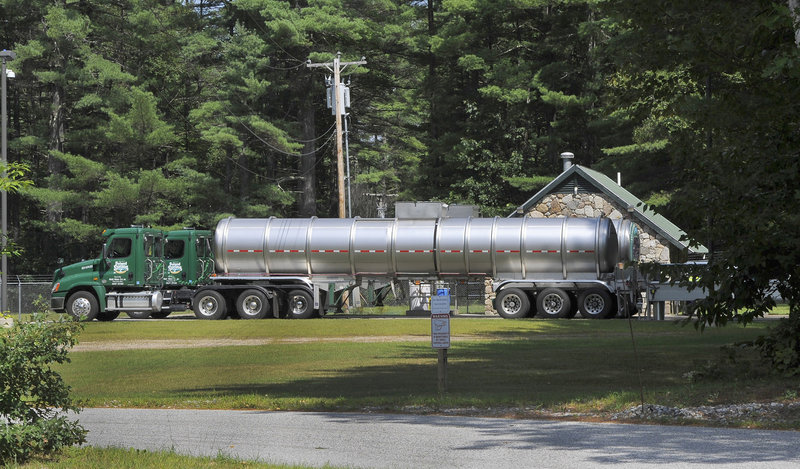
{"x": 117, "y": 458}
{"x": 332, "y": 364}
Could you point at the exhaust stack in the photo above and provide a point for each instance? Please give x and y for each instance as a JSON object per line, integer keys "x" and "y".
{"x": 567, "y": 157}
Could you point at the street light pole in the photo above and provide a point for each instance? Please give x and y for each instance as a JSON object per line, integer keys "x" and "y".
{"x": 4, "y": 55}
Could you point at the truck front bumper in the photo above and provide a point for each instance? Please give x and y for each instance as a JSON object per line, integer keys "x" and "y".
{"x": 57, "y": 303}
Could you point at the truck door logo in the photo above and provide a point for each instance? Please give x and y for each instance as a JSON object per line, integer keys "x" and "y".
{"x": 120, "y": 267}
{"x": 175, "y": 268}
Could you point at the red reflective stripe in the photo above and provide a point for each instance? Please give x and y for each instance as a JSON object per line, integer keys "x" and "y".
{"x": 450, "y": 250}
{"x": 245, "y": 250}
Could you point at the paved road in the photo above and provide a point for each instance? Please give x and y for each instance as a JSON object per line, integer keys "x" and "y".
{"x": 411, "y": 441}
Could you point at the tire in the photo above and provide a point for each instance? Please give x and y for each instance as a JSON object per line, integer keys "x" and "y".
{"x": 82, "y": 306}
{"x": 160, "y": 314}
{"x": 553, "y": 303}
{"x": 252, "y": 304}
{"x": 300, "y": 304}
{"x": 209, "y": 304}
{"x": 595, "y": 303}
{"x": 138, "y": 314}
{"x": 107, "y": 315}
{"x": 512, "y": 303}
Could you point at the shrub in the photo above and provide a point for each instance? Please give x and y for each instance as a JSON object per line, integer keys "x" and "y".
{"x": 34, "y": 399}
{"x": 782, "y": 346}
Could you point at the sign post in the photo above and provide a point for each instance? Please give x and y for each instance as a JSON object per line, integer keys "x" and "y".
{"x": 440, "y": 335}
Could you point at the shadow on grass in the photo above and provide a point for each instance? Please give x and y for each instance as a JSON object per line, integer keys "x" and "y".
{"x": 514, "y": 371}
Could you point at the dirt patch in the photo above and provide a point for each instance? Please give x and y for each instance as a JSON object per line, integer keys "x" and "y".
{"x": 202, "y": 343}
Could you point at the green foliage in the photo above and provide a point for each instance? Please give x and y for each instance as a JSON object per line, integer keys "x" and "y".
{"x": 781, "y": 347}
{"x": 173, "y": 113}
{"x": 721, "y": 109}
{"x": 33, "y": 397}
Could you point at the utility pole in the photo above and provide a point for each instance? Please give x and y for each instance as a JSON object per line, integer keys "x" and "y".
{"x": 4, "y": 56}
{"x": 338, "y": 97}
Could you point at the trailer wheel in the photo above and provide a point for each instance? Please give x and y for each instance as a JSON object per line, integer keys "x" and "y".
{"x": 209, "y": 304}
{"x": 301, "y": 304}
{"x": 107, "y": 315}
{"x": 553, "y": 303}
{"x": 138, "y": 314}
{"x": 595, "y": 303}
{"x": 512, "y": 303}
{"x": 82, "y": 306}
{"x": 252, "y": 304}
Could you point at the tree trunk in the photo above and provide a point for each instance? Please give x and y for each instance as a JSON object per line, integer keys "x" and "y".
{"x": 794, "y": 10}
{"x": 244, "y": 176}
{"x": 308, "y": 161}
{"x": 54, "y": 165}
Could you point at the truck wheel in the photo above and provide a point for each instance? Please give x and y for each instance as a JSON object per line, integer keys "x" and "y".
{"x": 512, "y": 303}
{"x": 553, "y": 303}
{"x": 301, "y": 304}
{"x": 82, "y": 306}
{"x": 252, "y": 304}
{"x": 107, "y": 315}
{"x": 209, "y": 304}
{"x": 595, "y": 303}
{"x": 138, "y": 314}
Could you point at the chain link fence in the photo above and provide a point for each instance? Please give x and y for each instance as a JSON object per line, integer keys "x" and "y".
{"x": 23, "y": 290}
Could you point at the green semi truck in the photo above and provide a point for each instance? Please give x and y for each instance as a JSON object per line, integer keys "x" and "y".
{"x": 139, "y": 272}
{"x": 285, "y": 267}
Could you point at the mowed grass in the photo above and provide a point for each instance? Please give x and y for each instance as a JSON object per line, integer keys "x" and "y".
{"x": 118, "y": 458}
{"x": 330, "y": 364}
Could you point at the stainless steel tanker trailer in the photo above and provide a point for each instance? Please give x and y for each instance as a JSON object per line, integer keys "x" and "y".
{"x": 542, "y": 266}
{"x": 547, "y": 267}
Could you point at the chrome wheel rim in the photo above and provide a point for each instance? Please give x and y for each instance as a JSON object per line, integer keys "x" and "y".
{"x": 553, "y": 304}
{"x": 299, "y": 305}
{"x": 512, "y": 304}
{"x": 252, "y": 305}
{"x": 208, "y": 306}
{"x": 594, "y": 304}
{"x": 81, "y": 307}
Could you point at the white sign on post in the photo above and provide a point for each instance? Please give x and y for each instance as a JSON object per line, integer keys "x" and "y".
{"x": 440, "y": 322}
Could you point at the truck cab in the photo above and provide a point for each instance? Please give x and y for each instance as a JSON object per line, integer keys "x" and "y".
{"x": 188, "y": 258}
{"x": 141, "y": 271}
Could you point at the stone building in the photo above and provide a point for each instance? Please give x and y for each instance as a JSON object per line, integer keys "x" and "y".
{"x": 583, "y": 192}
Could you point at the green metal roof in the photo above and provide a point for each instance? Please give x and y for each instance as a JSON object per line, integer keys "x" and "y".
{"x": 584, "y": 180}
